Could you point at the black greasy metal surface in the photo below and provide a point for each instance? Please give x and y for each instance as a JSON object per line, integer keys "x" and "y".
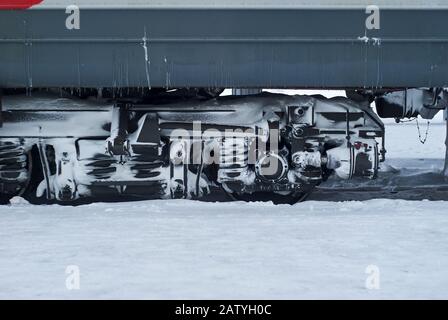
{"x": 319, "y": 48}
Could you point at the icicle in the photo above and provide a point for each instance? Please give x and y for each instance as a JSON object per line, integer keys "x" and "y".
{"x": 422, "y": 140}
{"x": 147, "y": 60}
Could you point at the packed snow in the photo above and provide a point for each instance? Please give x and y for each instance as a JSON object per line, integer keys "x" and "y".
{"x": 195, "y": 250}
{"x": 180, "y": 249}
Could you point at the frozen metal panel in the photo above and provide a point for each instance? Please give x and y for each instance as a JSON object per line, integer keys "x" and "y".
{"x": 320, "y": 48}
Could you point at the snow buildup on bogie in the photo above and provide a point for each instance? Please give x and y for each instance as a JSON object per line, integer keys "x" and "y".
{"x": 18, "y": 201}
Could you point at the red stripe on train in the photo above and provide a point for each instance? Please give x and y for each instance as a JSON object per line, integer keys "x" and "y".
{"x": 18, "y": 4}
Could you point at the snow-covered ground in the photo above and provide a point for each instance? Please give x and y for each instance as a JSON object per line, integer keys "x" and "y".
{"x": 181, "y": 249}
{"x": 187, "y": 249}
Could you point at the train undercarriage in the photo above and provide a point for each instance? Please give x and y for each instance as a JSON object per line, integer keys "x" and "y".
{"x": 68, "y": 146}
{"x": 126, "y": 104}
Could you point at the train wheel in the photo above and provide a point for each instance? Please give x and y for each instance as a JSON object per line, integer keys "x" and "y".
{"x": 15, "y": 169}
